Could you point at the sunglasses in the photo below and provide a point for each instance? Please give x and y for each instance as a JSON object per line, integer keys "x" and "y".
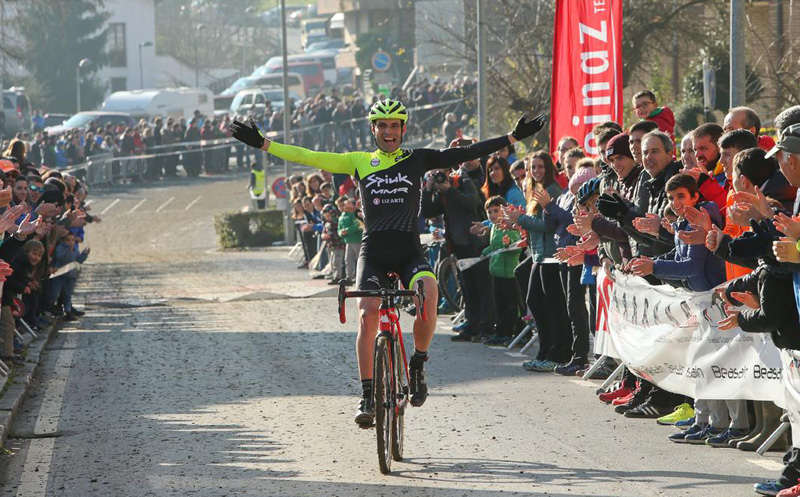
{"x": 37, "y": 189}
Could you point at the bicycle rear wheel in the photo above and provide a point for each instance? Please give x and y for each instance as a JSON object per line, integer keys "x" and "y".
{"x": 398, "y": 422}
{"x": 384, "y": 405}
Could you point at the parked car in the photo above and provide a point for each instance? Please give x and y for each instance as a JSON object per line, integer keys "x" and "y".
{"x": 257, "y": 98}
{"x": 295, "y": 83}
{"x": 16, "y": 110}
{"x": 51, "y": 119}
{"x": 328, "y": 61}
{"x": 272, "y": 17}
{"x": 82, "y": 119}
{"x": 329, "y": 44}
{"x": 310, "y": 70}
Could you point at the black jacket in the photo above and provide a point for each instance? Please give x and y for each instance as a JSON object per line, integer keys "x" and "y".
{"x": 19, "y": 279}
{"x": 778, "y": 313}
{"x": 460, "y": 206}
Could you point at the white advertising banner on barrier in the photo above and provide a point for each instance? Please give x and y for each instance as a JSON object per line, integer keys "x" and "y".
{"x": 669, "y": 336}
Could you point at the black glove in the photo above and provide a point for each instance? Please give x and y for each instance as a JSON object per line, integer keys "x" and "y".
{"x": 525, "y": 128}
{"x": 612, "y": 206}
{"x": 249, "y": 134}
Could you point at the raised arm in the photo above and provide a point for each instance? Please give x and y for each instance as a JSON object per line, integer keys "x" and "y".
{"x": 249, "y": 134}
{"x": 453, "y": 156}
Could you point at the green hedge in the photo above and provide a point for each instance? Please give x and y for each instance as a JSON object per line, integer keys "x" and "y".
{"x": 249, "y": 229}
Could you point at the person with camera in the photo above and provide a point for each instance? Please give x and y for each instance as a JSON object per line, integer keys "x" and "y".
{"x": 389, "y": 181}
{"x": 455, "y": 195}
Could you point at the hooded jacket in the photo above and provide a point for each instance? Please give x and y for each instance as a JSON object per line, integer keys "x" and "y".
{"x": 693, "y": 265}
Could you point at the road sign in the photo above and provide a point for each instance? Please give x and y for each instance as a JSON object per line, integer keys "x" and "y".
{"x": 279, "y": 187}
{"x": 381, "y": 61}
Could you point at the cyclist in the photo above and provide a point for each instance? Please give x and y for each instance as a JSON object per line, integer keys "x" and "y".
{"x": 390, "y": 181}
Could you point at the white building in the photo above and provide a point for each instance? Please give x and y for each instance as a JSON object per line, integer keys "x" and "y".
{"x": 132, "y": 23}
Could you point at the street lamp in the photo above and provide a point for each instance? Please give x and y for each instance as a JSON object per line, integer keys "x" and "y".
{"x": 141, "y": 71}
{"x": 199, "y": 28}
{"x": 83, "y": 63}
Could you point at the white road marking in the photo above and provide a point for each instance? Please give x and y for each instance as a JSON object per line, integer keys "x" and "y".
{"x": 767, "y": 464}
{"x": 193, "y": 202}
{"x": 36, "y": 470}
{"x": 165, "y": 204}
{"x": 112, "y": 204}
{"x": 137, "y": 206}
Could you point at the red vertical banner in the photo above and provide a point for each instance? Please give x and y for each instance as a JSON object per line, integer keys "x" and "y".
{"x": 587, "y": 69}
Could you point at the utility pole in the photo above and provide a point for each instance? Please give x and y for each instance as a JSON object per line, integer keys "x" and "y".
{"x": 481, "y": 73}
{"x": 737, "y": 54}
{"x": 288, "y": 225}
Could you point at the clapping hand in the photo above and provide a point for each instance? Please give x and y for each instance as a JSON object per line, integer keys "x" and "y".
{"x": 747, "y": 298}
{"x": 642, "y": 266}
{"x": 584, "y": 223}
{"x": 700, "y": 222}
{"x": 758, "y": 201}
{"x": 650, "y": 224}
{"x": 541, "y": 197}
{"x": 789, "y": 226}
{"x": 785, "y": 250}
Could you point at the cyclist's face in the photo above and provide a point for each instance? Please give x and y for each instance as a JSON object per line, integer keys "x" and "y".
{"x": 388, "y": 134}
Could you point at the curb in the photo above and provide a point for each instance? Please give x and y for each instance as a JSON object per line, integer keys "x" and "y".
{"x": 23, "y": 377}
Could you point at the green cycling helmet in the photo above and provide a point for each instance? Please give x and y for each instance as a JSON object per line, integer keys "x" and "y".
{"x": 388, "y": 109}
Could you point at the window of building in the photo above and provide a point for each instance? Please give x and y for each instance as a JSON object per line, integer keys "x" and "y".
{"x": 119, "y": 84}
{"x": 117, "y": 54}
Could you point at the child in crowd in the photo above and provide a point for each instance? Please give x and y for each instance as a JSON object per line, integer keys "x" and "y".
{"x": 691, "y": 266}
{"x": 330, "y": 234}
{"x": 501, "y": 267}
{"x": 19, "y": 282}
{"x": 351, "y": 230}
{"x": 66, "y": 252}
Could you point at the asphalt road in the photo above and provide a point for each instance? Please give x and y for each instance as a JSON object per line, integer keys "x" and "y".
{"x": 210, "y": 373}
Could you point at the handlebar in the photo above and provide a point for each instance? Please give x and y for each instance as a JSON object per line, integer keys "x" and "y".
{"x": 381, "y": 293}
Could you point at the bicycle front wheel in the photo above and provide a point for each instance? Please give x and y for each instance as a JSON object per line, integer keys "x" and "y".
{"x": 398, "y": 422}
{"x": 384, "y": 405}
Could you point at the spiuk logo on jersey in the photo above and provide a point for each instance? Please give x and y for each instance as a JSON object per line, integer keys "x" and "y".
{"x": 388, "y": 185}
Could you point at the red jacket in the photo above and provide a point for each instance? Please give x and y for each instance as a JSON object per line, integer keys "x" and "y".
{"x": 765, "y": 142}
{"x": 665, "y": 119}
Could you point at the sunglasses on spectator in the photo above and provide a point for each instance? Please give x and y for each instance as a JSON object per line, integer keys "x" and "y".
{"x": 37, "y": 189}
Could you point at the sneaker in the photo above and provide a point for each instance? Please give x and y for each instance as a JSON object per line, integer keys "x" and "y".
{"x": 681, "y": 413}
{"x": 569, "y": 369}
{"x": 607, "y": 397}
{"x": 623, "y": 400}
{"x": 462, "y": 337}
{"x": 460, "y": 327}
{"x": 636, "y": 400}
{"x": 545, "y": 366}
{"x": 646, "y": 410}
{"x": 530, "y": 365}
{"x": 601, "y": 373}
{"x": 702, "y": 436}
{"x": 419, "y": 385}
{"x": 685, "y": 424}
{"x": 365, "y": 416}
{"x": 76, "y": 312}
{"x": 333, "y": 282}
{"x": 769, "y": 487}
{"x": 495, "y": 340}
{"x": 790, "y": 492}
{"x": 681, "y": 436}
{"x": 70, "y": 318}
{"x": 723, "y": 438}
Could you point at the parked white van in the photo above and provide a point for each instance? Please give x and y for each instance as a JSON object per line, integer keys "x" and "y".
{"x": 164, "y": 102}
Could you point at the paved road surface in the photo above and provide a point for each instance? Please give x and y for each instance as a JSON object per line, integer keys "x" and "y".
{"x": 208, "y": 373}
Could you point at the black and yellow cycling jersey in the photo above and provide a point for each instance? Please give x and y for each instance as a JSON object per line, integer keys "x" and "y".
{"x": 390, "y": 185}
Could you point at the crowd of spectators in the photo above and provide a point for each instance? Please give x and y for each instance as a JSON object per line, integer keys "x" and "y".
{"x": 717, "y": 211}
{"x": 44, "y": 214}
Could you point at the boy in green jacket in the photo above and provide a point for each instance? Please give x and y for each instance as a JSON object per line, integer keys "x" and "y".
{"x": 350, "y": 230}
{"x": 501, "y": 266}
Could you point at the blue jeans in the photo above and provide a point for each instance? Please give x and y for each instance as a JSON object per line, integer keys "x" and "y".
{"x": 56, "y": 286}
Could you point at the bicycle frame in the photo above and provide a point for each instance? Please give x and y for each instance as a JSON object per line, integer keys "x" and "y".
{"x": 389, "y": 327}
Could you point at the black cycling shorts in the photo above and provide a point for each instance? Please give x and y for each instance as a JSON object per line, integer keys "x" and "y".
{"x": 391, "y": 251}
